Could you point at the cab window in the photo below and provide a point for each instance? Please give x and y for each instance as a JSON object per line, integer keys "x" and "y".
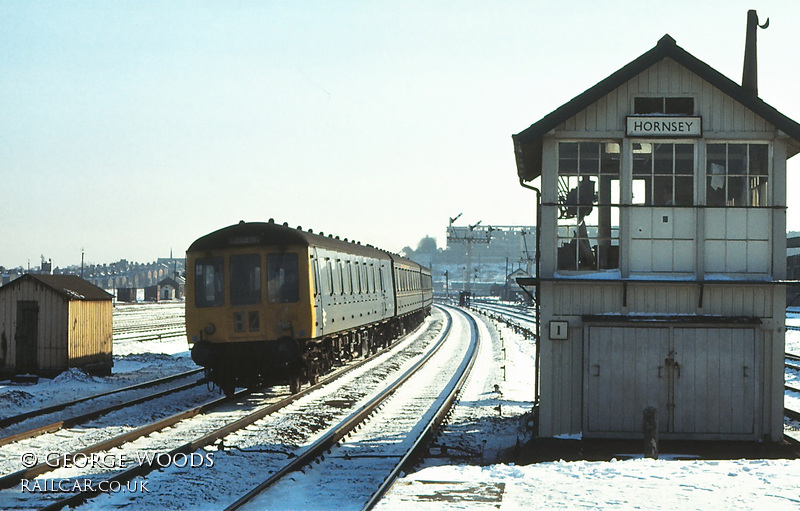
{"x": 245, "y": 279}
{"x": 209, "y": 288}
{"x": 282, "y": 278}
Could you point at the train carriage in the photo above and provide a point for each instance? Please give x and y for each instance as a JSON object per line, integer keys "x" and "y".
{"x": 267, "y": 303}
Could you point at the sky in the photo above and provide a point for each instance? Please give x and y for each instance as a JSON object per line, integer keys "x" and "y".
{"x": 129, "y": 129}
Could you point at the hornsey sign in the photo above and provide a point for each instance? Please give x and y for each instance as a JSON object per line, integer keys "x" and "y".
{"x": 664, "y": 126}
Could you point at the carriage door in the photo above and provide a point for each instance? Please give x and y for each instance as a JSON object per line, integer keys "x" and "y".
{"x": 318, "y": 312}
{"x": 26, "y": 335}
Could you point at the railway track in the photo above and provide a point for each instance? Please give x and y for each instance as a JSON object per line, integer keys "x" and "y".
{"x": 85, "y": 417}
{"x": 15, "y": 419}
{"x": 521, "y": 321}
{"x": 415, "y": 415}
{"x": 147, "y": 452}
{"x": 144, "y": 322}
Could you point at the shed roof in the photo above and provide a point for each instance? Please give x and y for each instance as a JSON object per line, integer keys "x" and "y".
{"x": 71, "y": 287}
{"x": 528, "y": 143}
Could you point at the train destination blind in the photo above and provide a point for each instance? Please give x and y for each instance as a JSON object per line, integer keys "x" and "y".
{"x": 664, "y": 126}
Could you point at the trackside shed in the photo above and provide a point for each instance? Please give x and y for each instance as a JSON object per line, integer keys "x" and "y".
{"x": 663, "y": 253}
{"x": 50, "y": 323}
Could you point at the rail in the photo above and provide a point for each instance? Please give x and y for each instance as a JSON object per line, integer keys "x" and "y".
{"x": 352, "y": 422}
{"x": 148, "y": 465}
{"x": 9, "y": 421}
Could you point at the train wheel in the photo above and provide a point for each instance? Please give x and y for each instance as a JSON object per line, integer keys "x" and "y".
{"x": 228, "y": 388}
{"x": 294, "y": 384}
{"x": 364, "y": 346}
{"x": 311, "y": 371}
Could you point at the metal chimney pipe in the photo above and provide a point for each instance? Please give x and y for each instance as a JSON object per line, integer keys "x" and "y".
{"x": 750, "y": 69}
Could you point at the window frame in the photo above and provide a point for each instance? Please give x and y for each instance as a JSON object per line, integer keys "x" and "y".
{"x": 582, "y": 247}
{"x": 653, "y": 176}
{"x": 744, "y": 177}
{"x": 218, "y": 283}
{"x": 283, "y": 295}
{"x": 252, "y": 296}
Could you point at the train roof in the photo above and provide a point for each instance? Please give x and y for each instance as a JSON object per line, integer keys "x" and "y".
{"x": 400, "y": 259}
{"x": 269, "y": 233}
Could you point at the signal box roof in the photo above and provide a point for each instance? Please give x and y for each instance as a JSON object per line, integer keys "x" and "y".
{"x": 528, "y": 143}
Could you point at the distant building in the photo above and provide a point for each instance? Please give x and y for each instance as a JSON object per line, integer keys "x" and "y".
{"x": 49, "y": 323}
{"x": 128, "y": 294}
{"x": 166, "y": 290}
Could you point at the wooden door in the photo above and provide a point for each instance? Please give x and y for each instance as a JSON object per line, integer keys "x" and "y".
{"x": 26, "y": 336}
{"x": 622, "y": 377}
{"x": 714, "y": 381}
{"x": 701, "y": 380}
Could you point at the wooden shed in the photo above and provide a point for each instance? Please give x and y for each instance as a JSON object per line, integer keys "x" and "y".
{"x": 661, "y": 275}
{"x": 49, "y": 323}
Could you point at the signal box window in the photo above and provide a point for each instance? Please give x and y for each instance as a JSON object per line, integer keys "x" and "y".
{"x": 283, "y": 285}
{"x": 209, "y": 288}
{"x": 663, "y": 174}
{"x": 660, "y": 105}
{"x": 245, "y": 279}
{"x": 588, "y": 200}
{"x": 737, "y": 174}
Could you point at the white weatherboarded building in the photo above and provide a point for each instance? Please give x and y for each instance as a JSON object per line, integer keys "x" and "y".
{"x": 662, "y": 254}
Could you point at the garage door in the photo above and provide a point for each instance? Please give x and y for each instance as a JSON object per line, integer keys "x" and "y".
{"x": 701, "y": 380}
{"x": 714, "y": 385}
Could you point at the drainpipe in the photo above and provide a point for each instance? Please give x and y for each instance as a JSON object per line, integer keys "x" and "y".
{"x": 537, "y": 372}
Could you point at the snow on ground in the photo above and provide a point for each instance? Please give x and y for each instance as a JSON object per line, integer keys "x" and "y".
{"x": 631, "y": 484}
{"x": 637, "y": 483}
{"x": 134, "y": 362}
{"x": 668, "y": 483}
{"x": 793, "y": 341}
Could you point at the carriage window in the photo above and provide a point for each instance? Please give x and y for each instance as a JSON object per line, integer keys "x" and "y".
{"x": 364, "y": 277}
{"x": 245, "y": 279}
{"x": 282, "y": 278}
{"x": 329, "y": 276}
{"x": 209, "y": 288}
{"x": 340, "y": 277}
{"x": 348, "y": 281}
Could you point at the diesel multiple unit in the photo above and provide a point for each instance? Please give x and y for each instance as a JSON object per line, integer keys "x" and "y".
{"x": 266, "y": 303}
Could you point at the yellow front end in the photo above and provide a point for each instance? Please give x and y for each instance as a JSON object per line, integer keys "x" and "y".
{"x": 250, "y": 294}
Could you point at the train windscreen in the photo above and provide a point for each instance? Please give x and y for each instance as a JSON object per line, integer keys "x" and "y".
{"x": 282, "y": 278}
{"x": 209, "y": 287}
{"x": 245, "y": 279}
